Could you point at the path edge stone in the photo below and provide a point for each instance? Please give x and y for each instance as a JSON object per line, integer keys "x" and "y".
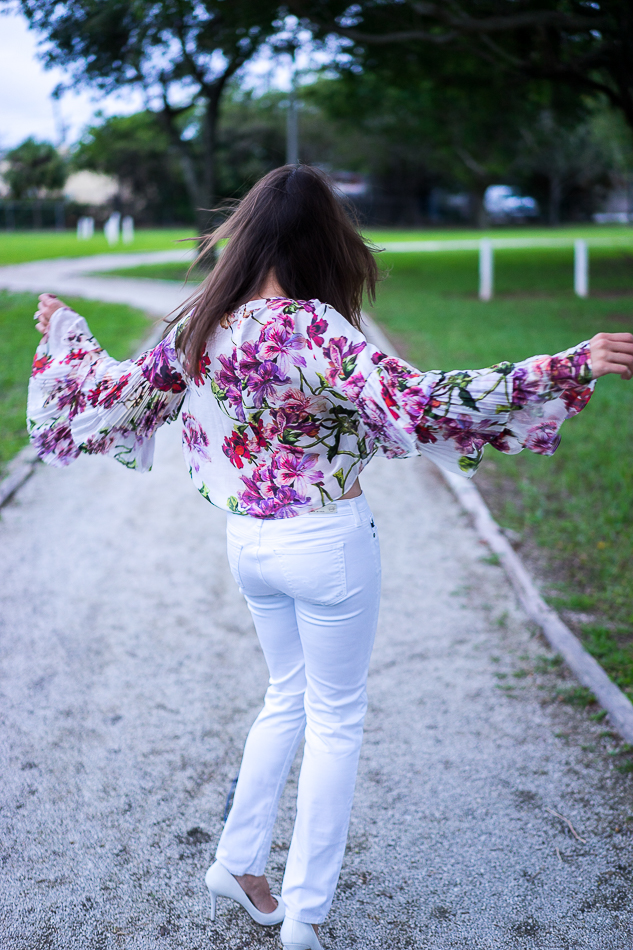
{"x": 586, "y": 669}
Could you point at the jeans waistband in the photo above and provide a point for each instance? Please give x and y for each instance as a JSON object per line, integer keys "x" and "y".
{"x": 350, "y": 511}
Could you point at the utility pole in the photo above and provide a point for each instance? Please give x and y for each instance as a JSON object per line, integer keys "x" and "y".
{"x": 292, "y": 123}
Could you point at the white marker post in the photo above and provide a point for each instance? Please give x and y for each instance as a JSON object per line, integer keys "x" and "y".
{"x": 85, "y": 228}
{"x": 486, "y": 269}
{"x": 127, "y": 229}
{"x": 581, "y": 268}
{"x": 111, "y": 228}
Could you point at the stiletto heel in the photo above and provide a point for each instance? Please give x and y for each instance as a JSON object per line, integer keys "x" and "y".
{"x": 295, "y": 935}
{"x": 222, "y": 884}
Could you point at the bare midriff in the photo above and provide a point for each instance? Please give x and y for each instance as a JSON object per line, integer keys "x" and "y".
{"x": 354, "y": 491}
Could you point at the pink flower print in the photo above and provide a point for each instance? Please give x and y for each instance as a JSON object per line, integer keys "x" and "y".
{"x": 158, "y": 371}
{"x": 101, "y": 444}
{"x": 263, "y": 498}
{"x": 195, "y": 440}
{"x": 354, "y": 386}
{"x": 68, "y": 393}
{"x": 303, "y": 404}
{"x": 415, "y": 401}
{"x": 237, "y": 447}
{"x": 543, "y": 438}
{"x": 315, "y": 330}
{"x": 56, "y": 441}
{"x": 258, "y": 439}
{"x": 262, "y": 383}
{"x": 465, "y": 432}
{"x": 250, "y": 361}
{"x": 203, "y": 369}
{"x": 74, "y": 356}
{"x": 576, "y": 399}
{"x": 228, "y": 376}
{"x": 229, "y": 383}
{"x": 378, "y": 357}
{"x": 296, "y": 470}
{"x": 388, "y": 395}
{"x": 40, "y": 364}
{"x": 342, "y": 361}
{"x": 278, "y": 343}
{"x": 424, "y": 434}
{"x": 108, "y": 397}
{"x": 524, "y": 389}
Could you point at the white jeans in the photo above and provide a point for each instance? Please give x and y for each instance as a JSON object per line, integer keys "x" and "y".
{"x": 313, "y": 587}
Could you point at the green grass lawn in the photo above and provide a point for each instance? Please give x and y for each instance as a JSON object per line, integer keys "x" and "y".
{"x": 118, "y": 328}
{"x": 612, "y": 234}
{"x": 575, "y": 510}
{"x": 173, "y": 271}
{"x": 16, "y": 247}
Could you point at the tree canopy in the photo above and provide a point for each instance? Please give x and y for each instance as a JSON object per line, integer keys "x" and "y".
{"x": 586, "y": 45}
{"x": 180, "y": 53}
{"x": 33, "y": 169}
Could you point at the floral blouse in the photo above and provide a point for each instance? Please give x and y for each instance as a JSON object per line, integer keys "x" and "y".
{"x": 290, "y": 404}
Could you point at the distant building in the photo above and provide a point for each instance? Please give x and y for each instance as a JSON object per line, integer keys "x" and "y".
{"x": 90, "y": 188}
{"x": 352, "y": 184}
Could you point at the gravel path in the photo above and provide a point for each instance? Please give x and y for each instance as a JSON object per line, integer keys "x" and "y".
{"x": 131, "y": 673}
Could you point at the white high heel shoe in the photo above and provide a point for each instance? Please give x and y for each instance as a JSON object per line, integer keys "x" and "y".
{"x": 295, "y": 935}
{"x": 221, "y": 883}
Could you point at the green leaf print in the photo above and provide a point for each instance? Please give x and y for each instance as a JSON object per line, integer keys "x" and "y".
{"x": 340, "y": 477}
{"x": 204, "y": 491}
{"x": 232, "y": 504}
{"x": 468, "y": 464}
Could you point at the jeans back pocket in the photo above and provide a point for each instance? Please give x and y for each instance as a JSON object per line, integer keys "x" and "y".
{"x": 314, "y": 572}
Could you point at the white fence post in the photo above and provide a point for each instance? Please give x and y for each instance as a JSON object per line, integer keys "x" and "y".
{"x": 581, "y": 268}
{"x": 111, "y": 228}
{"x": 85, "y": 228}
{"x": 486, "y": 269}
{"x": 127, "y": 229}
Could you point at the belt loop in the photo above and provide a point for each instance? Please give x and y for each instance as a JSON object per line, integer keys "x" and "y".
{"x": 357, "y": 517}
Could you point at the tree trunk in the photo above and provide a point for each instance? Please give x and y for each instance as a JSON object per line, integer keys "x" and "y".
{"x": 479, "y": 213}
{"x": 555, "y": 198}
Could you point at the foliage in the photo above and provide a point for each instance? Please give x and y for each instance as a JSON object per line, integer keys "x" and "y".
{"x": 136, "y": 150}
{"x": 457, "y": 125}
{"x": 181, "y": 55}
{"x": 34, "y": 169}
{"x": 118, "y": 328}
{"x": 582, "y": 46}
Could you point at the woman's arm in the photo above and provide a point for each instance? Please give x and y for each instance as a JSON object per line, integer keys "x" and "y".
{"x": 82, "y": 400}
{"x": 452, "y": 416}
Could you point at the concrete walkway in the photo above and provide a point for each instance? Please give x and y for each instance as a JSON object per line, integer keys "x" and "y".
{"x": 130, "y": 676}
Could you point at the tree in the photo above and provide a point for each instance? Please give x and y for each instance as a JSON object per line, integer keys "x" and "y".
{"x": 567, "y": 158}
{"x": 34, "y": 168}
{"x": 586, "y": 46}
{"x": 136, "y": 149}
{"x": 180, "y": 53}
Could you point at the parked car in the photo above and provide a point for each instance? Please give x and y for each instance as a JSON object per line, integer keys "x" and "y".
{"x": 502, "y": 203}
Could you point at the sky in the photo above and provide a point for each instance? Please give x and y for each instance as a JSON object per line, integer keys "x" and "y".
{"x": 25, "y": 89}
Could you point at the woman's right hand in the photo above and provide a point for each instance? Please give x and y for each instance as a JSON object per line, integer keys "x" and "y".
{"x": 612, "y": 353}
{"x": 48, "y": 304}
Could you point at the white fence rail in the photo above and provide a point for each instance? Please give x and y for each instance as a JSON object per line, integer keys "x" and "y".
{"x": 487, "y": 247}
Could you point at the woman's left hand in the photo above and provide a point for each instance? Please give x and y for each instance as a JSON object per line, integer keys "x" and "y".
{"x": 612, "y": 353}
{"x": 48, "y": 304}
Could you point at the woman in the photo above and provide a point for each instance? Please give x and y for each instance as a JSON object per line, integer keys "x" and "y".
{"x": 283, "y": 401}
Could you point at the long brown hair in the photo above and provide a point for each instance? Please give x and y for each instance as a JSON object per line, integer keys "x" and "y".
{"x": 290, "y": 223}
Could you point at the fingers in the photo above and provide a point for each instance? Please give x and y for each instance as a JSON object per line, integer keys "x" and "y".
{"x": 612, "y": 353}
